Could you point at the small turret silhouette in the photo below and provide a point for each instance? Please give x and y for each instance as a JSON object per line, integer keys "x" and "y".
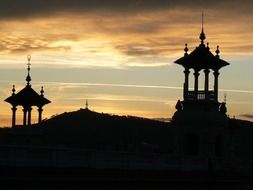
{"x": 27, "y": 98}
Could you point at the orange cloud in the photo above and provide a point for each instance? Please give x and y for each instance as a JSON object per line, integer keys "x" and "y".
{"x": 113, "y": 39}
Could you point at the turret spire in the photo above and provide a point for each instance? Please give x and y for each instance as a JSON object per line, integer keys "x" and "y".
{"x": 202, "y": 35}
{"x": 217, "y": 52}
{"x": 42, "y": 92}
{"x": 202, "y": 20}
{"x": 28, "y": 78}
{"x": 186, "y": 50}
{"x": 13, "y": 90}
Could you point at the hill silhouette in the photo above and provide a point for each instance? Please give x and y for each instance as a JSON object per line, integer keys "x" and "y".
{"x": 86, "y": 128}
{"x": 84, "y": 133}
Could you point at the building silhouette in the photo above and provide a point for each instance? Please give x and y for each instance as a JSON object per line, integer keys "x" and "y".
{"x": 201, "y": 121}
{"x": 27, "y": 98}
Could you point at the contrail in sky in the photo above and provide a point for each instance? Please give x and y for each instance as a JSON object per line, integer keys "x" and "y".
{"x": 129, "y": 86}
{"x": 143, "y": 86}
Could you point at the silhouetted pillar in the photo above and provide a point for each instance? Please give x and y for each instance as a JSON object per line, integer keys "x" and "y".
{"x": 29, "y": 116}
{"x": 206, "y": 83}
{"x": 216, "y": 75}
{"x": 24, "y": 117}
{"x": 40, "y": 110}
{"x": 14, "y": 109}
{"x": 186, "y": 83}
{"x": 196, "y": 83}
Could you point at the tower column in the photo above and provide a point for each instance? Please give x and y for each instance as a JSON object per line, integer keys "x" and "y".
{"x": 29, "y": 116}
{"x": 186, "y": 83}
{"x": 40, "y": 110}
{"x": 216, "y": 75}
{"x": 196, "y": 83}
{"x": 206, "y": 84}
{"x": 14, "y": 109}
{"x": 24, "y": 117}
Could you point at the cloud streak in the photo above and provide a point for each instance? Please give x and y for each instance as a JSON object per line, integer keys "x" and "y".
{"x": 79, "y": 84}
{"x": 24, "y": 45}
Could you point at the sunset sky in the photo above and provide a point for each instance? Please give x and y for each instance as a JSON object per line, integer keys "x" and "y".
{"x": 119, "y": 54}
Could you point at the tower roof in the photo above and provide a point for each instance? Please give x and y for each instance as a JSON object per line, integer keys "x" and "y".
{"x": 201, "y": 57}
{"x": 27, "y": 96}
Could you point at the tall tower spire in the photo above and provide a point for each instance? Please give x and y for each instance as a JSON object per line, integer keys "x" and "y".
{"x": 202, "y": 20}
{"x": 202, "y": 35}
{"x": 86, "y": 104}
{"x": 28, "y": 78}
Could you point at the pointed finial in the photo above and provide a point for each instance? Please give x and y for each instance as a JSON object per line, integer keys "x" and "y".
{"x": 207, "y": 46}
{"x": 186, "y": 50}
{"x": 13, "y": 90}
{"x": 29, "y": 60}
{"x": 217, "y": 52}
{"x": 202, "y": 20}
{"x": 86, "y": 104}
{"x": 202, "y": 35}
{"x": 28, "y": 78}
{"x": 42, "y": 91}
{"x": 179, "y": 106}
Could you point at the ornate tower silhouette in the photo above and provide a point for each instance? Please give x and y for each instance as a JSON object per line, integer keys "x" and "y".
{"x": 200, "y": 118}
{"x": 201, "y": 59}
{"x": 27, "y": 98}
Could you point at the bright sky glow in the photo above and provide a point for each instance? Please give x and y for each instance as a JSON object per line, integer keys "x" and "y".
{"x": 120, "y": 56}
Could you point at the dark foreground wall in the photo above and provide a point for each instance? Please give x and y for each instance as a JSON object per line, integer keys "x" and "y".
{"x": 85, "y": 179}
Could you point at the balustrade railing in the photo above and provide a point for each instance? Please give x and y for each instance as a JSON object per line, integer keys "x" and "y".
{"x": 200, "y": 95}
